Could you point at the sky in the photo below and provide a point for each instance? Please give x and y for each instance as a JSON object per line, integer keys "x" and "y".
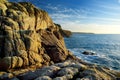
{"x": 94, "y": 16}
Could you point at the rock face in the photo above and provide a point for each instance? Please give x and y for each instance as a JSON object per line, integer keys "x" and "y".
{"x": 28, "y": 37}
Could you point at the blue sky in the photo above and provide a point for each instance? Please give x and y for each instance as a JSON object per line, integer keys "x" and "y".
{"x": 97, "y": 16}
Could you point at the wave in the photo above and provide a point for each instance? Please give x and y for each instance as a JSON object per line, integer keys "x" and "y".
{"x": 102, "y": 59}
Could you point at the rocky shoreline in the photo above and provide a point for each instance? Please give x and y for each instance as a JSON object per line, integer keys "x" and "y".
{"x": 67, "y": 70}
{"x": 32, "y": 48}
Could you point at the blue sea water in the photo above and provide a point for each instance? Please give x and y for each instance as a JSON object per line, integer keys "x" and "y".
{"x": 106, "y": 46}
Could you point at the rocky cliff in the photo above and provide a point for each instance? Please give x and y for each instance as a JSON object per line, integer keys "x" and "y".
{"x": 28, "y": 36}
{"x": 30, "y": 40}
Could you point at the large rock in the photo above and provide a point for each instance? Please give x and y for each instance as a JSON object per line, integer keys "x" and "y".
{"x": 28, "y": 37}
{"x": 88, "y": 53}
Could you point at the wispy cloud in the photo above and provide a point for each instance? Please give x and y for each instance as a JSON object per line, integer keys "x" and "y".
{"x": 49, "y": 6}
{"x": 79, "y": 20}
{"x": 59, "y": 14}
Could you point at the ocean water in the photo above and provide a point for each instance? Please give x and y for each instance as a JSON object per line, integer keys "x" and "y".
{"x": 106, "y": 47}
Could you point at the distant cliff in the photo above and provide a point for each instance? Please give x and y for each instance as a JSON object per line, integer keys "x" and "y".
{"x": 29, "y": 40}
{"x": 83, "y": 33}
{"x": 64, "y": 33}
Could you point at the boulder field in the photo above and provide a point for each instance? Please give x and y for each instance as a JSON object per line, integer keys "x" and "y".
{"x": 32, "y": 47}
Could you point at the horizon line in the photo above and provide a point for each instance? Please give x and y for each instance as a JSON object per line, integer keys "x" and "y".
{"x": 92, "y": 32}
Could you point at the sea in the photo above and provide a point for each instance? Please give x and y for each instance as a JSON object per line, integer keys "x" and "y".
{"x": 105, "y": 46}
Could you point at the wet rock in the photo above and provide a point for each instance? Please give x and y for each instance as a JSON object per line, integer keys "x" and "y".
{"x": 88, "y": 53}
